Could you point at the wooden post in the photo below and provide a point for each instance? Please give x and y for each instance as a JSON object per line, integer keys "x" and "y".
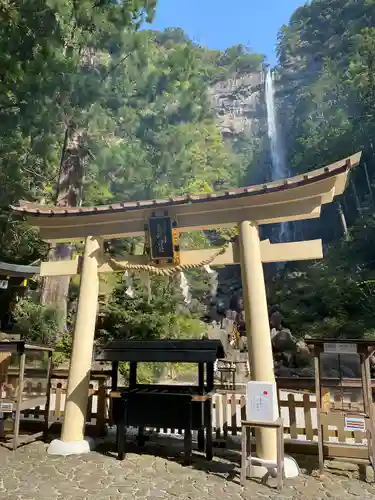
{"x": 318, "y": 408}
{"x": 48, "y": 394}
{"x": 101, "y": 409}
{"x": 19, "y": 399}
{"x": 114, "y": 381}
{"x": 132, "y": 375}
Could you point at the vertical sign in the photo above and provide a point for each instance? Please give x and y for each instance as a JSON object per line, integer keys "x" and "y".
{"x": 161, "y": 238}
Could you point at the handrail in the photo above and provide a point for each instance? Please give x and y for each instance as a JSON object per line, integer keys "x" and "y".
{"x": 60, "y": 374}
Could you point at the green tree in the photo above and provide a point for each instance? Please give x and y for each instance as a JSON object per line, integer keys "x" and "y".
{"x": 145, "y": 316}
{"x": 57, "y": 58}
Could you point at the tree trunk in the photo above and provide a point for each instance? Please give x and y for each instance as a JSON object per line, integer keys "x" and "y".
{"x": 368, "y": 183}
{"x": 55, "y": 290}
{"x": 356, "y": 198}
{"x": 69, "y": 193}
{"x": 342, "y": 220}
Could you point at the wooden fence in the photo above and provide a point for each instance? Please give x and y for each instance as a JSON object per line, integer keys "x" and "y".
{"x": 98, "y": 404}
{"x": 297, "y": 409}
{"x": 296, "y": 400}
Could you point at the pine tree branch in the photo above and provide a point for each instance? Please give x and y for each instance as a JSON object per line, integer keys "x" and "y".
{"x": 10, "y": 106}
{"x": 34, "y": 173}
{"x": 112, "y": 70}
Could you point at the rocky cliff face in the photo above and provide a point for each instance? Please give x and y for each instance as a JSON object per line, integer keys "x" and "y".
{"x": 236, "y": 103}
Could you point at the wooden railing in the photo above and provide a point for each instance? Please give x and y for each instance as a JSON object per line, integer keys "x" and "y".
{"x": 97, "y": 408}
{"x": 296, "y": 400}
{"x": 297, "y": 409}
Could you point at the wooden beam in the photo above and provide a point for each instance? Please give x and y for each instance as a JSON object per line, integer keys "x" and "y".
{"x": 290, "y": 252}
{"x": 279, "y": 252}
{"x": 60, "y": 268}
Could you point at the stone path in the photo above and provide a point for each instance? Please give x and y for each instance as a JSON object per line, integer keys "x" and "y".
{"x": 158, "y": 473}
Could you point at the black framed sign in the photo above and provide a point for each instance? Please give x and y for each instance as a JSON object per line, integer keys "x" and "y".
{"x": 161, "y": 238}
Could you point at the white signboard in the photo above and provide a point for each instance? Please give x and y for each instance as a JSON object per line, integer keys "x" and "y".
{"x": 261, "y": 401}
{"x": 354, "y": 424}
{"x": 340, "y": 348}
{"x": 3, "y": 284}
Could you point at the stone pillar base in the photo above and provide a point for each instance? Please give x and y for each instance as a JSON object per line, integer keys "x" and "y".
{"x": 63, "y": 448}
{"x": 291, "y": 469}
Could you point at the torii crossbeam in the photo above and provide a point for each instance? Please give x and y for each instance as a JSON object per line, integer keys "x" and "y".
{"x": 278, "y": 252}
{"x": 296, "y": 198}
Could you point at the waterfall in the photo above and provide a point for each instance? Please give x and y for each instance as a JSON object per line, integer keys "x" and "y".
{"x": 279, "y": 167}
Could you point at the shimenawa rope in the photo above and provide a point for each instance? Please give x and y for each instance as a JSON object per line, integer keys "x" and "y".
{"x": 165, "y": 271}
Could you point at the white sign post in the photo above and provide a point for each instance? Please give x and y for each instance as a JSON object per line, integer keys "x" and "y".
{"x": 261, "y": 401}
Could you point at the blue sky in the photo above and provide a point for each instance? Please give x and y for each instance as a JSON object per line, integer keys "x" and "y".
{"x": 218, "y": 24}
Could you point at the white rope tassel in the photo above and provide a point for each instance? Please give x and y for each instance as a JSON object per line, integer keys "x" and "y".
{"x": 214, "y": 281}
{"x": 185, "y": 289}
{"x": 129, "y": 282}
{"x": 149, "y": 289}
{"x": 146, "y": 281}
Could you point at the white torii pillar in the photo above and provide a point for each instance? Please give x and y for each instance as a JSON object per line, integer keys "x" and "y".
{"x": 259, "y": 338}
{"x": 73, "y": 432}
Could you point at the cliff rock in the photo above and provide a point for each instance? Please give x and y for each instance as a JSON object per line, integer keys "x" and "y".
{"x": 235, "y": 103}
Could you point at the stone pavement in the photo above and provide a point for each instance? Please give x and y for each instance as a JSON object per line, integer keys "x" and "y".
{"x": 157, "y": 473}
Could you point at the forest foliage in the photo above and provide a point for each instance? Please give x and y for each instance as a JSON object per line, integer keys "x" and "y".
{"x": 326, "y": 104}
{"x": 94, "y": 110}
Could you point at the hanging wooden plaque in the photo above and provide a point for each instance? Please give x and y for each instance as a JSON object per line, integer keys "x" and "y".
{"x": 161, "y": 238}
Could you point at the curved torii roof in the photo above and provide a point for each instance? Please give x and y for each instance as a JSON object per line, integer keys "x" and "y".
{"x": 295, "y": 198}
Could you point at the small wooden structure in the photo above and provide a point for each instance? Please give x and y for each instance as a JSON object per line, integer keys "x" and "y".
{"x": 14, "y": 401}
{"x": 185, "y": 407}
{"x": 14, "y": 282}
{"x": 359, "y": 418}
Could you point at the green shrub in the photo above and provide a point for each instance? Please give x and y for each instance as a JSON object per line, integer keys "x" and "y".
{"x": 36, "y": 323}
{"x": 141, "y": 318}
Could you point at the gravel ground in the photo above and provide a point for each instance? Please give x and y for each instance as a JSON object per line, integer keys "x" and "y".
{"x": 157, "y": 472}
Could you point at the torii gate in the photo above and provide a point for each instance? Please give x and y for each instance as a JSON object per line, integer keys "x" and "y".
{"x": 292, "y": 199}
